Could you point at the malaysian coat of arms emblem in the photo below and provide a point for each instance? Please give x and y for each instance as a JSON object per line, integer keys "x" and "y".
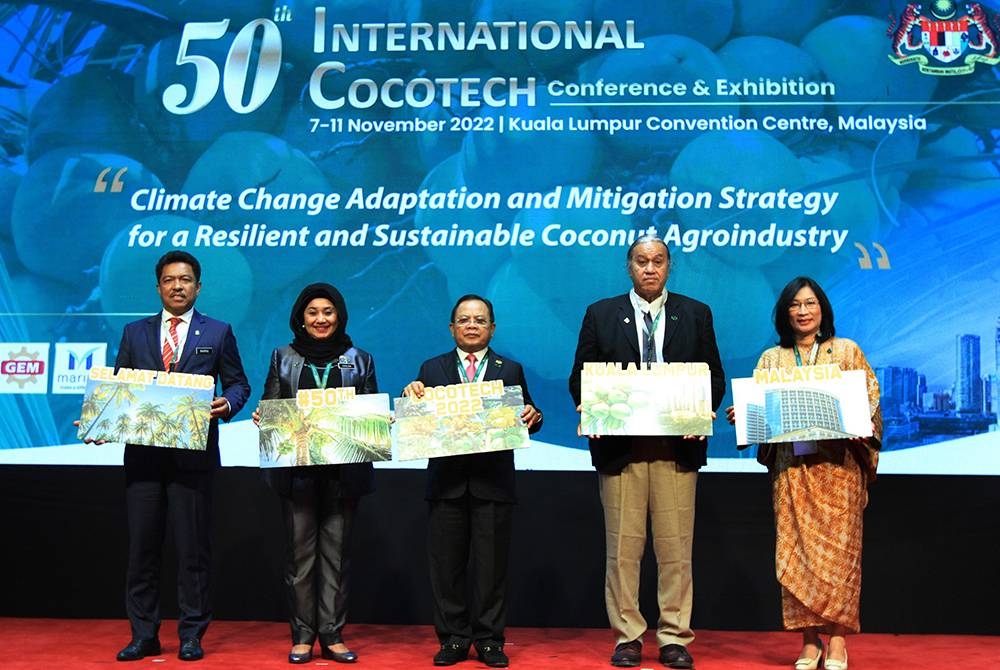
{"x": 944, "y": 39}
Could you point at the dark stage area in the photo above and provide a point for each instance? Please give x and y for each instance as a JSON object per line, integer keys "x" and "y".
{"x": 932, "y": 545}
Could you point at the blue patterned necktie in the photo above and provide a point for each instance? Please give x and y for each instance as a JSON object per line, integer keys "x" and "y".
{"x": 649, "y": 340}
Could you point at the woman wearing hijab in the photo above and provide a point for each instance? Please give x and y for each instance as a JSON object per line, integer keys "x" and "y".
{"x": 820, "y": 488}
{"x": 319, "y": 502}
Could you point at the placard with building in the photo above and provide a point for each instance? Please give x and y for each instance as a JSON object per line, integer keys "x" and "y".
{"x": 811, "y": 402}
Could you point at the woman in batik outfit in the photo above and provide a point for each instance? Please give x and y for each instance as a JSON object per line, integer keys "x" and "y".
{"x": 820, "y": 488}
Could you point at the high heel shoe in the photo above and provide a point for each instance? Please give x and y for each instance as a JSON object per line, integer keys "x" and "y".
{"x": 806, "y": 663}
{"x": 834, "y": 664}
{"x": 339, "y": 657}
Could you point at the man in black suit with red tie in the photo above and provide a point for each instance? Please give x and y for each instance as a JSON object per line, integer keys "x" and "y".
{"x": 471, "y": 499}
{"x": 158, "y": 480}
{"x": 652, "y": 476}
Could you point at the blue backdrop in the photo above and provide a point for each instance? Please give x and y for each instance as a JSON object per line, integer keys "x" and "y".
{"x": 416, "y": 150}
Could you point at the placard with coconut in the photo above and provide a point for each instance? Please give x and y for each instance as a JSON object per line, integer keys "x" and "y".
{"x": 662, "y": 399}
{"x": 460, "y": 419}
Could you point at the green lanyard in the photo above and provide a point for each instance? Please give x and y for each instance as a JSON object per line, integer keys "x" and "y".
{"x": 465, "y": 375}
{"x": 321, "y": 381}
{"x": 812, "y": 354}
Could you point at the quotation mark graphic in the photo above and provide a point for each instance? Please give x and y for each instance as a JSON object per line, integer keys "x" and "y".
{"x": 101, "y": 185}
{"x": 865, "y": 262}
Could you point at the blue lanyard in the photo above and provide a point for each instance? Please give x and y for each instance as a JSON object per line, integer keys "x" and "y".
{"x": 321, "y": 381}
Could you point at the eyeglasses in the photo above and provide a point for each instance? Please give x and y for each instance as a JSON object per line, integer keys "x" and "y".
{"x": 809, "y": 304}
{"x": 466, "y": 320}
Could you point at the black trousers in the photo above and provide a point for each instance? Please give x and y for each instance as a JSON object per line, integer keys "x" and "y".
{"x": 188, "y": 498}
{"x": 318, "y": 527}
{"x": 469, "y": 541}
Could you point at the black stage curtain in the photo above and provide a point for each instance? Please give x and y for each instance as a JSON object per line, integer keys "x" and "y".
{"x": 932, "y": 546}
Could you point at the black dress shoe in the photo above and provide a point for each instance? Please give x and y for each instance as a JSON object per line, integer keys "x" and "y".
{"x": 451, "y": 653}
{"x": 627, "y": 654}
{"x": 191, "y": 650}
{"x": 345, "y": 657}
{"x": 491, "y": 653}
{"x": 136, "y": 650}
{"x": 675, "y": 656}
{"x": 304, "y": 657}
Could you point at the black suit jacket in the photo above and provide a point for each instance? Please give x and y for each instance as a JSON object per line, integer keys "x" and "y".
{"x": 352, "y": 479}
{"x": 210, "y": 349}
{"x": 488, "y": 476}
{"x": 608, "y": 335}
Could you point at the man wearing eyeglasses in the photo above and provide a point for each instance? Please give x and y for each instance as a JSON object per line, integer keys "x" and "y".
{"x": 652, "y": 476}
{"x": 471, "y": 499}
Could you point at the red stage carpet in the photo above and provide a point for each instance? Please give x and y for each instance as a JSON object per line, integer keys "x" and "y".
{"x": 30, "y": 644}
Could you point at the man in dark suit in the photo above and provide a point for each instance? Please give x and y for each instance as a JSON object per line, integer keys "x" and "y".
{"x": 178, "y": 339}
{"x": 648, "y": 476}
{"x": 471, "y": 499}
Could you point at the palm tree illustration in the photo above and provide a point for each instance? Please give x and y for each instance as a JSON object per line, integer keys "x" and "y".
{"x": 104, "y": 428}
{"x": 284, "y": 429}
{"x": 169, "y": 433}
{"x": 123, "y": 427}
{"x": 192, "y": 413}
{"x": 362, "y": 438}
{"x": 323, "y": 436}
{"x": 103, "y": 398}
{"x": 149, "y": 418}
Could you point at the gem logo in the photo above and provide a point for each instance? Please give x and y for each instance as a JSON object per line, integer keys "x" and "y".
{"x": 945, "y": 40}
{"x": 73, "y": 362}
{"x": 24, "y": 367}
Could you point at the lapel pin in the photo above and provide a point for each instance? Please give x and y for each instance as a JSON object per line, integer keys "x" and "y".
{"x": 197, "y": 332}
{"x": 627, "y": 320}
{"x": 497, "y": 362}
{"x": 673, "y": 317}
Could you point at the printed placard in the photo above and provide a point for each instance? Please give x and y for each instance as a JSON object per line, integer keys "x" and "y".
{"x": 325, "y": 427}
{"x": 150, "y": 407}
{"x": 805, "y": 403}
{"x": 460, "y": 419}
{"x": 664, "y": 399}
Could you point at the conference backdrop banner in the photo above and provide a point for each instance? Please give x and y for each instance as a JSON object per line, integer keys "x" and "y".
{"x": 411, "y": 151}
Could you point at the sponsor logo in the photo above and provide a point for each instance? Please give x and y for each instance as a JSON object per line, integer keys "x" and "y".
{"x": 73, "y": 361}
{"x": 944, "y": 38}
{"x": 24, "y": 367}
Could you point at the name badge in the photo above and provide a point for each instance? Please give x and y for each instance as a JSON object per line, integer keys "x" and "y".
{"x": 344, "y": 363}
{"x": 203, "y": 350}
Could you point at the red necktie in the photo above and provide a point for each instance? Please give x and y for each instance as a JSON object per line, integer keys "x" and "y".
{"x": 170, "y": 344}
{"x": 470, "y": 369}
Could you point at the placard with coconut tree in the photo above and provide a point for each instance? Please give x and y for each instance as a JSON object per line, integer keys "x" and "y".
{"x": 148, "y": 407}
{"x": 325, "y": 427}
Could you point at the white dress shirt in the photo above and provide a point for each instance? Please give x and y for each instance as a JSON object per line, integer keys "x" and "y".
{"x": 641, "y": 307}
{"x": 182, "y": 331}
{"x": 480, "y": 355}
